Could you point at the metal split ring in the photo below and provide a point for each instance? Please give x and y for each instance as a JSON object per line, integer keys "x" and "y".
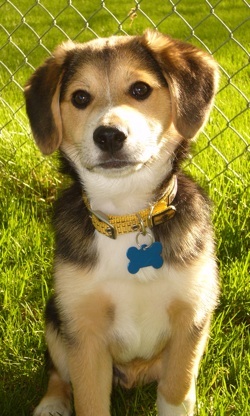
{"x": 147, "y": 234}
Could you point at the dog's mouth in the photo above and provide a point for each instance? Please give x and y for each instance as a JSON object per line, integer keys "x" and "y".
{"x": 116, "y": 164}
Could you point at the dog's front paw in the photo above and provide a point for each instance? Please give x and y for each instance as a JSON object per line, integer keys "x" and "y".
{"x": 52, "y": 406}
{"x": 167, "y": 409}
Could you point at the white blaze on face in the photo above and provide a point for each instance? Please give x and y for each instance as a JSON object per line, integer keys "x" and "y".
{"x": 144, "y": 122}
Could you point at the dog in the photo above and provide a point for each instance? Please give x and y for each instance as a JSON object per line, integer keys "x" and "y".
{"x": 135, "y": 273}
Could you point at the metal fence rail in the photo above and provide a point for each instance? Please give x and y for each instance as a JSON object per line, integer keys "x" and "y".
{"x": 30, "y": 30}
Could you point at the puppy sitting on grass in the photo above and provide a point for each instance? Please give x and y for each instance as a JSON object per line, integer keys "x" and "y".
{"x": 135, "y": 273}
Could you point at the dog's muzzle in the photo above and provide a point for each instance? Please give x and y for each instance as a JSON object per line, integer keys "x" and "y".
{"x": 109, "y": 139}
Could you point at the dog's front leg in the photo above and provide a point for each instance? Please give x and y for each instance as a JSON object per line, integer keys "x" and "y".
{"x": 89, "y": 359}
{"x": 90, "y": 369}
{"x": 176, "y": 389}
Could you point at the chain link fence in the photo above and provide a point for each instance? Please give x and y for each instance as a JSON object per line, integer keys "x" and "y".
{"x": 30, "y": 29}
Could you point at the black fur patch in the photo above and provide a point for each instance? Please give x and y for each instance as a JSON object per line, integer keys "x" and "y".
{"x": 185, "y": 236}
{"x": 49, "y": 365}
{"x": 74, "y": 231}
{"x": 52, "y": 314}
{"x": 42, "y": 94}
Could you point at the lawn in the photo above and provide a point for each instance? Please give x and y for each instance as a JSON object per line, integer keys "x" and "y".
{"x": 30, "y": 183}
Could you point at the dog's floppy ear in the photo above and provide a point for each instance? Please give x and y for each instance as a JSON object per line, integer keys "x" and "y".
{"x": 192, "y": 76}
{"x": 42, "y": 94}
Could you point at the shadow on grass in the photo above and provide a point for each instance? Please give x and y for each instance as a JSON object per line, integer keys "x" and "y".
{"x": 135, "y": 402}
{"x": 20, "y": 393}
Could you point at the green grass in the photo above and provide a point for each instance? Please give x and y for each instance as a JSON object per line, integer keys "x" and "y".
{"x": 30, "y": 184}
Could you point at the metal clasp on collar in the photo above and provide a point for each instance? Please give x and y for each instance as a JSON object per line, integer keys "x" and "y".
{"x": 164, "y": 216}
{"x": 143, "y": 229}
{"x": 145, "y": 233}
{"x": 111, "y": 230}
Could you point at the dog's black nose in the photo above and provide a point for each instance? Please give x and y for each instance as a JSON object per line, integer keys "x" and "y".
{"x": 109, "y": 139}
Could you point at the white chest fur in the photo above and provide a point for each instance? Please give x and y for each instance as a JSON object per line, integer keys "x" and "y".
{"x": 141, "y": 301}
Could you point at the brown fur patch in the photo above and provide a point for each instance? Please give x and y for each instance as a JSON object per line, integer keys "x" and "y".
{"x": 93, "y": 316}
{"x": 89, "y": 358}
{"x": 182, "y": 354}
{"x": 192, "y": 75}
{"x": 139, "y": 372}
{"x": 42, "y": 105}
{"x": 59, "y": 388}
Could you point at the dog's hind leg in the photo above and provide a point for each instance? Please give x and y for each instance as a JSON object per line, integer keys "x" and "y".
{"x": 57, "y": 399}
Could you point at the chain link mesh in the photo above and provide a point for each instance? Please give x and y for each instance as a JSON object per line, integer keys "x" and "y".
{"x": 30, "y": 30}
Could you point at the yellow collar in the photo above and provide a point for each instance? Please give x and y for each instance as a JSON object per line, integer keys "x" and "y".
{"x": 157, "y": 213}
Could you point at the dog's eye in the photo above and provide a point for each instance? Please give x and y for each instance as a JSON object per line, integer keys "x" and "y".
{"x": 81, "y": 99}
{"x": 140, "y": 90}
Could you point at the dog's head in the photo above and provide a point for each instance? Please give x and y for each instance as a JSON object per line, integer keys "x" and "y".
{"x": 118, "y": 104}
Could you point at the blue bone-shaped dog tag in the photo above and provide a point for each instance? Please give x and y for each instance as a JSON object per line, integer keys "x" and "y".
{"x": 145, "y": 256}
